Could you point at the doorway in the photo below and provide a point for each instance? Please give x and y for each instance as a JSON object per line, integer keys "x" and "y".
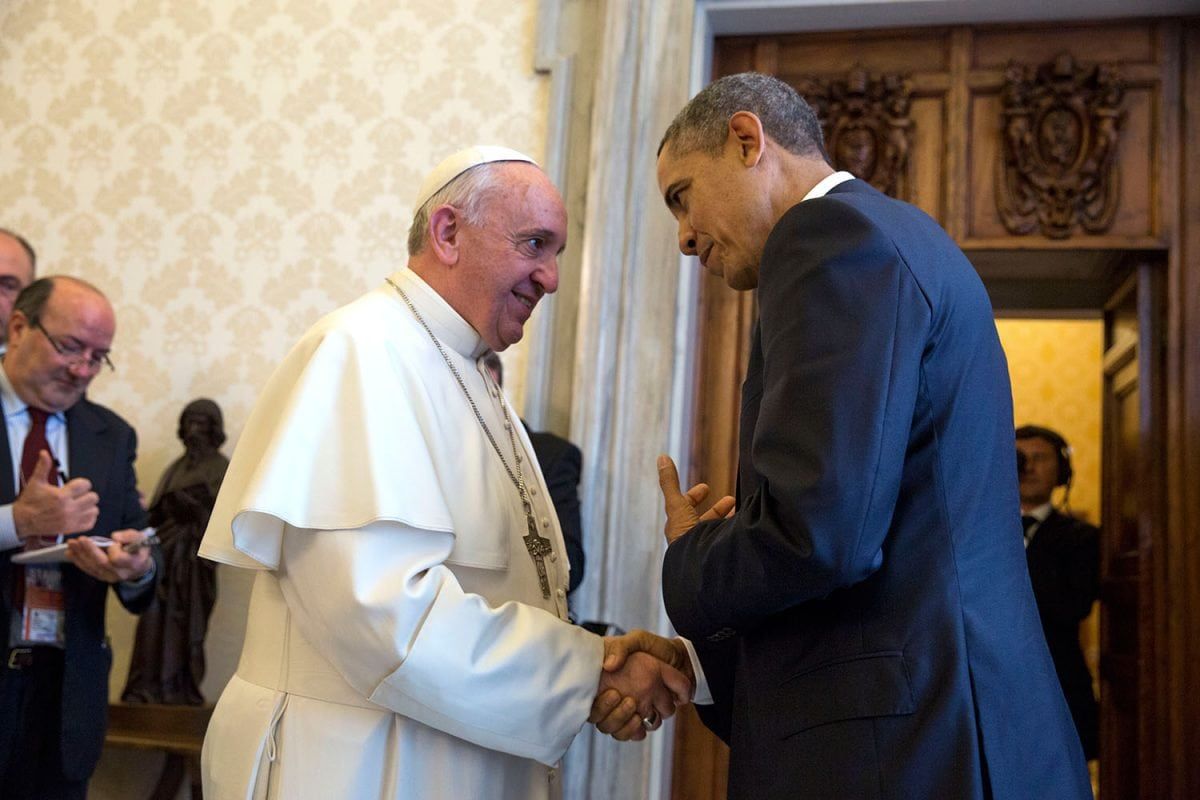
{"x": 1086, "y": 358}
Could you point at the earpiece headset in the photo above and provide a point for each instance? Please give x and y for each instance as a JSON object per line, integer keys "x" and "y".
{"x": 1062, "y": 451}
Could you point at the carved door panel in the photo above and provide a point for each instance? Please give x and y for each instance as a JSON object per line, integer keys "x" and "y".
{"x": 1132, "y": 513}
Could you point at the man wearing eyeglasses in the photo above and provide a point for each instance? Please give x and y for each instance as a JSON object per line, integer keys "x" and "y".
{"x": 69, "y": 471}
{"x": 17, "y": 264}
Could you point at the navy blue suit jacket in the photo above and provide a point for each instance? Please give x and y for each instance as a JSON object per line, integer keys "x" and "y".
{"x": 1064, "y": 568}
{"x": 102, "y": 448}
{"x": 865, "y": 619}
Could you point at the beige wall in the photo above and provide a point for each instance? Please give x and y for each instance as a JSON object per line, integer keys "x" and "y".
{"x": 228, "y": 171}
{"x": 1055, "y": 366}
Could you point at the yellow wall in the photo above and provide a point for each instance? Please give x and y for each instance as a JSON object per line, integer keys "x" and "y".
{"x": 1055, "y": 369}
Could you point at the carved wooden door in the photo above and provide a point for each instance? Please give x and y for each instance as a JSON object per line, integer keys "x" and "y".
{"x": 1132, "y": 510}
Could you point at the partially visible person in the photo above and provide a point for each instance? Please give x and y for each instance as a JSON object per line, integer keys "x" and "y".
{"x": 863, "y": 615}
{"x": 168, "y": 651}
{"x": 18, "y": 265}
{"x": 54, "y": 675}
{"x": 561, "y": 464}
{"x": 1063, "y": 553}
{"x": 407, "y": 634}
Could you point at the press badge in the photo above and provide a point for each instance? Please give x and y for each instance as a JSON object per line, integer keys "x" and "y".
{"x": 43, "y": 620}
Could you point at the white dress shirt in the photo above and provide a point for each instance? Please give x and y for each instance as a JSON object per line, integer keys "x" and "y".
{"x": 17, "y": 421}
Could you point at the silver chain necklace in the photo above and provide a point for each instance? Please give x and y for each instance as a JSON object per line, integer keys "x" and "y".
{"x": 538, "y": 546}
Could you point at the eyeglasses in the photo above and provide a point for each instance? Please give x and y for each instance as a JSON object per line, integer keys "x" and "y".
{"x": 76, "y": 355}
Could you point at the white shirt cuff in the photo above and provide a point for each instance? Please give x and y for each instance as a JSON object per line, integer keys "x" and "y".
{"x": 703, "y": 694}
{"x": 8, "y": 529}
{"x": 146, "y": 577}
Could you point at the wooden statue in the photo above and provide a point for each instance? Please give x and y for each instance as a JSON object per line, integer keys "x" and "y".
{"x": 168, "y": 653}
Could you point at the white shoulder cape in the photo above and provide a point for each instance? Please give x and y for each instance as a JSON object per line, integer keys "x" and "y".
{"x": 361, "y": 422}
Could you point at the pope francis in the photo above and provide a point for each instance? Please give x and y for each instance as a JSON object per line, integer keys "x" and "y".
{"x": 406, "y": 635}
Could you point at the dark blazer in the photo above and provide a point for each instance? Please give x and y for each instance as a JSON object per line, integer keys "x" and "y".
{"x": 102, "y": 447}
{"x": 1064, "y": 567}
{"x": 561, "y": 463}
{"x": 865, "y": 620}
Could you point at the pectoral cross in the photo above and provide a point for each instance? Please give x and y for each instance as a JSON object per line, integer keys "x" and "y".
{"x": 538, "y": 547}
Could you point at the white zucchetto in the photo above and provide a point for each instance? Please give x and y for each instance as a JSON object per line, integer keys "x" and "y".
{"x": 454, "y": 165}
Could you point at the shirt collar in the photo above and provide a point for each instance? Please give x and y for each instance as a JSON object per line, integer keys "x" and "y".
{"x": 828, "y": 182}
{"x": 447, "y": 324}
{"x": 10, "y": 401}
{"x": 1041, "y": 512}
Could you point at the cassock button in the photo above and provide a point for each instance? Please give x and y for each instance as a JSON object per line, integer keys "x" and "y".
{"x": 554, "y": 556}
{"x": 533, "y": 490}
{"x": 545, "y": 522}
{"x": 551, "y": 773}
{"x": 561, "y": 594}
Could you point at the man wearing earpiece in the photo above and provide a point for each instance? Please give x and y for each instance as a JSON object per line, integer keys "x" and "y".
{"x": 1063, "y": 553}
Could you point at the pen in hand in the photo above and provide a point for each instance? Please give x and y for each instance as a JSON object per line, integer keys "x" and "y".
{"x": 133, "y": 547}
{"x": 148, "y": 539}
{"x": 63, "y": 480}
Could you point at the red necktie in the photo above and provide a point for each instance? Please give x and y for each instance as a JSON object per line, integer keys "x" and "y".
{"x": 35, "y": 442}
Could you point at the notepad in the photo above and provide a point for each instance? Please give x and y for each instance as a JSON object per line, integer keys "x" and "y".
{"x": 55, "y": 553}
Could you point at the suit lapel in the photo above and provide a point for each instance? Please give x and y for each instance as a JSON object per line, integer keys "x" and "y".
{"x": 87, "y": 457}
{"x": 7, "y": 480}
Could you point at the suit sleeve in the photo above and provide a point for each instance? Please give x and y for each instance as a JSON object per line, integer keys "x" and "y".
{"x": 718, "y": 661}
{"x": 843, "y": 327}
{"x": 562, "y": 480}
{"x": 136, "y": 596}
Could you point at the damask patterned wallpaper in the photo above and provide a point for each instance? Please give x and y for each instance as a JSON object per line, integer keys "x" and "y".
{"x": 1055, "y": 366}
{"x": 227, "y": 171}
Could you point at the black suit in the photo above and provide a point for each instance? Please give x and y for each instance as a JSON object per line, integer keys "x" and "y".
{"x": 101, "y": 448}
{"x": 1064, "y": 567}
{"x": 865, "y": 619}
{"x": 561, "y": 463}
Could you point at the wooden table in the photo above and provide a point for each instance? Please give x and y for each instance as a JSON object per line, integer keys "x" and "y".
{"x": 176, "y": 730}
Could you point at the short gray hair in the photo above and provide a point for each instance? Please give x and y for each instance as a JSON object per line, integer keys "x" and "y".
{"x": 468, "y": 193}
{"x": 703, "y": 124}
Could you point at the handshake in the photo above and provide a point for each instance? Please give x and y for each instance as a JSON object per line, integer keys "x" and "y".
{"x": 643, "y": 680}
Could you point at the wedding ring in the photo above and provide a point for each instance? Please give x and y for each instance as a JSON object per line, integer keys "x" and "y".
{"x": 651, "y": 722}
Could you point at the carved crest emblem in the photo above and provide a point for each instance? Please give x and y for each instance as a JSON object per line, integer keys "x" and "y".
{"x": 1058, "y": 167}
{"x": 866, "y": 125}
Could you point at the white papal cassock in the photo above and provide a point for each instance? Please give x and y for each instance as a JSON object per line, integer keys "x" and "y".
{"x": 398, "y": 643}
